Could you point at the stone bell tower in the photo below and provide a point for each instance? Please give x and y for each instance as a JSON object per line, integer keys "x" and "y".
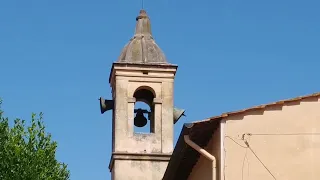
{"x": 141, "y": 74}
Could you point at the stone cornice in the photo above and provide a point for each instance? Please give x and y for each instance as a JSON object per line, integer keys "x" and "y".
{"x": 138, "y": 156}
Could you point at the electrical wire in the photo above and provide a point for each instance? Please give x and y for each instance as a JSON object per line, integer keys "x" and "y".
{"x": 253, "y": 152}
{"x": 246, "y": 142}
{"x": 235, "y": 142}
{"x": 283, "y": 134}
{"x": 249, "y": 147}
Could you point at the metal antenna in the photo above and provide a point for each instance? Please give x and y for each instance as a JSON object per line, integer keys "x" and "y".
{"x": 142, "y": 3}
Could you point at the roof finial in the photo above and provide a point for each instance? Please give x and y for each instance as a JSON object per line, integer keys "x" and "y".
{"x": 143, "y": 26}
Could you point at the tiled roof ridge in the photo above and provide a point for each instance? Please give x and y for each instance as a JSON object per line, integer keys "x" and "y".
{"x": 261, "y": 107}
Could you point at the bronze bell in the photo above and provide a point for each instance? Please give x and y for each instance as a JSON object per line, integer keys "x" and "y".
{"x": 140, "y": 120}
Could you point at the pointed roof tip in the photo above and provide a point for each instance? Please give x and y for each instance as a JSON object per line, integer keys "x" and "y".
{"x": 142, "y": 11}
{"x": 142, "y": 14}
{"x": 143, "y": 25}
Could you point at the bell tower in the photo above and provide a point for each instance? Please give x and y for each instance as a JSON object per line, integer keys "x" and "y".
{"x": 141, "y": 74}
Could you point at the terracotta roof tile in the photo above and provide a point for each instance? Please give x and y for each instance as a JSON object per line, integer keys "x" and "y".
{"x": 262, "y": 107}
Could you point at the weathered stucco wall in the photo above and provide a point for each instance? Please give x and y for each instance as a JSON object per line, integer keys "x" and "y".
{"x": 139, "y": 170}
{"x": 284, "y": 141}
{"x": 203, "y": 168}
{"x": 126, "y": 82}
{"x": 139, "y": 156}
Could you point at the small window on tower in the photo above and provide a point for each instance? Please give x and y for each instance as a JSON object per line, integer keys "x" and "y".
{"x": 144, "y": 110}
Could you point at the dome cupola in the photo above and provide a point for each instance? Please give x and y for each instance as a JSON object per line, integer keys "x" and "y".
{"x": 142, "y": 48}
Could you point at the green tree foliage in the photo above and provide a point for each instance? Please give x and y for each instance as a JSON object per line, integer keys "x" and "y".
{"x": 27, "y": 152}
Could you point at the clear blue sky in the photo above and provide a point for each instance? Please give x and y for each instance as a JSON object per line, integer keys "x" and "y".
{"x": 55, "y": 57}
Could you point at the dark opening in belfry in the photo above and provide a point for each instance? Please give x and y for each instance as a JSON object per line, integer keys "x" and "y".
{"x": 144, "y": 110}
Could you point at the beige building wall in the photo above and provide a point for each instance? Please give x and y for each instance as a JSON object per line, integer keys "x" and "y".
{"x": 203, "y": 168}
{"x": 284, "y": 143}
